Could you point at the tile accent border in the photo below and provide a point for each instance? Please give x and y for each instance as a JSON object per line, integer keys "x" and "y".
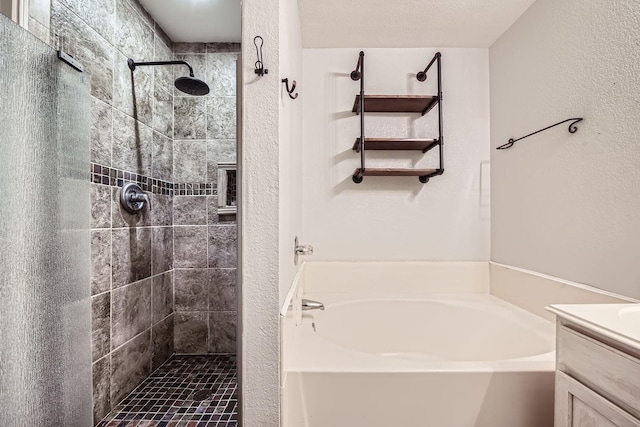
{"x": 114, "y": 177}
{"x": 195, "y": 189}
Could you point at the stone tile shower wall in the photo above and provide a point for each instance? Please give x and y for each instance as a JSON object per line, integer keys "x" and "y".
{"x": 205, "y": 243}
{"x": 132, "y": 140}
{"x": 132, "y": 271}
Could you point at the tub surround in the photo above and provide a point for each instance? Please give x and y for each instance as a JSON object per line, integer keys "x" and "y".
{"x": 528, "y": 290}
{"x": 415, "y": 278}
{"x": 534, "y": 291}
{"x": 373, "y": 278}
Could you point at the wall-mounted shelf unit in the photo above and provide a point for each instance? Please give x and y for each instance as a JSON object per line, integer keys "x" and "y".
{"x": 408, "y": 144}
{"x": 396, "y": 104}
{"x": 407, "y": 104}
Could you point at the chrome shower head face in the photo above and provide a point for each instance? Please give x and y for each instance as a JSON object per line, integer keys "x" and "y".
{"x": 191, "y": 86}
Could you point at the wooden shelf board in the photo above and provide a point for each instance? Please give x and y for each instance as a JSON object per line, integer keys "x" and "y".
{"x": 396, "y": 144}
{"x": 394, "y": 172}
{"x": 395, "y": 103}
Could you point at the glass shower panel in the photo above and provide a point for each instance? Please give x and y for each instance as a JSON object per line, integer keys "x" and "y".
{"x": 45, "y": 302}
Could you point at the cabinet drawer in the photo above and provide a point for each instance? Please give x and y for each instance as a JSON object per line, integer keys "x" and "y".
{"x": 609, "y": 372}
{"x": 578, "y": 406}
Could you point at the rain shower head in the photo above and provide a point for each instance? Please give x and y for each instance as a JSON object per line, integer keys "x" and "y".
{"x": 192, "y": 86}
{"x": 189, "y": 85}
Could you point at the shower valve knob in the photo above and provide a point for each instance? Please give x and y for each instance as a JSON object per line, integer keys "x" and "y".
{"x": 132, "y": 198}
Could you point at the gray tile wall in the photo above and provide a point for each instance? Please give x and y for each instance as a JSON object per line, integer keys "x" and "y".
{"x": 205, "y": 243}
{"x": 132, "y": 129}
{"x": 135, "y": 120}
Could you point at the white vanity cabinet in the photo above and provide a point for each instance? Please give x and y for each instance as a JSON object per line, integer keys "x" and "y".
{"x": 598, "y": 369}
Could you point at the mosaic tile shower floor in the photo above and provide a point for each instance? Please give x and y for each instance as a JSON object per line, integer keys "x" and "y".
{"x": 187, "y": 391}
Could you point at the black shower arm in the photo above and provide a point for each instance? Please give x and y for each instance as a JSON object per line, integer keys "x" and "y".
{"x": 133, "y": 64}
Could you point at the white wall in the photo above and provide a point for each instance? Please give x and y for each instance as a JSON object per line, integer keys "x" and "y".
{"x": 259, "y": 220}
{"x": 290, "y": 142}
{"x": 394, "y": 218}
{"x": 568, "y": 205}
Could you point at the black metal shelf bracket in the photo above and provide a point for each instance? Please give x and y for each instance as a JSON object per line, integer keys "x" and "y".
{"x": 290, "y": 90}
{"x": 425, "y": 178}
{"x": 260, "y": 70}
{"x": 422, "y": 75}
{"x": 572, "y": 129}
{"x": 358, "y": 177}
{"x": 358, "y": 74}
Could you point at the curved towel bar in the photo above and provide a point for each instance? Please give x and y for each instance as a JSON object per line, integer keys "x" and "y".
{"x": 572, "y": 129}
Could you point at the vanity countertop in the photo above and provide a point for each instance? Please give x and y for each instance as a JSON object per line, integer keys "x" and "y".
{"x": 620, "y": 322}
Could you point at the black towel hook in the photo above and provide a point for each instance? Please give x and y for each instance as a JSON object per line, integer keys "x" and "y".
{"x": 260, "y": 70}
{"x": 290, "y": 90}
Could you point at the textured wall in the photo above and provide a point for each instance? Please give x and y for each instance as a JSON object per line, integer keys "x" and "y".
{"x": 205, "y": 243}
{"x": 391, "y": 218}
{"x": 259, "y": 219}
{"x": 290, "y": 179}
{"x": 132, "y": 139}
{"x": 568, "y": 205}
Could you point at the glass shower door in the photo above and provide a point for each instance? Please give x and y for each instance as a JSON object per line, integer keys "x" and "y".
{"x": 45, "y": 319}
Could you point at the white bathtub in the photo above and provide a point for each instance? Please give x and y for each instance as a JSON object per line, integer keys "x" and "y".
{"x": 457, "y": 328}
{"x": 381, "y": 360}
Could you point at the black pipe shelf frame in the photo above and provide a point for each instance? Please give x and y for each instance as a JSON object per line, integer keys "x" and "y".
{"x": 420, "y": 104}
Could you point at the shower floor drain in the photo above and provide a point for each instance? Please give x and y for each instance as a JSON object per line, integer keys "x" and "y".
{"x": 201, "y": 395}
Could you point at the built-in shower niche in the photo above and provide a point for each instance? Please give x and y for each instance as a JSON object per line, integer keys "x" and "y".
{"x": 227, "y": 188}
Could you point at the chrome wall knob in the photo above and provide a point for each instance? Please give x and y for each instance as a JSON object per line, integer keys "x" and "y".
{"x": 304, "y": 250}
{"x": 300, "y": 250}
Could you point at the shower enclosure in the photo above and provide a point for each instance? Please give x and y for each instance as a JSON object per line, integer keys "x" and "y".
{"x": 45, "y": 324}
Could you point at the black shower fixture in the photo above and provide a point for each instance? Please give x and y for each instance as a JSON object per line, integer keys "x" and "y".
{"x": 189, "y": 85}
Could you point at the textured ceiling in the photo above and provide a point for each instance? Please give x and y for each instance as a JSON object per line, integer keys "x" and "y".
{"x": 352, "y": 23}
{"x": 406, "y": 23}
{"x": 197, "y": 20}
